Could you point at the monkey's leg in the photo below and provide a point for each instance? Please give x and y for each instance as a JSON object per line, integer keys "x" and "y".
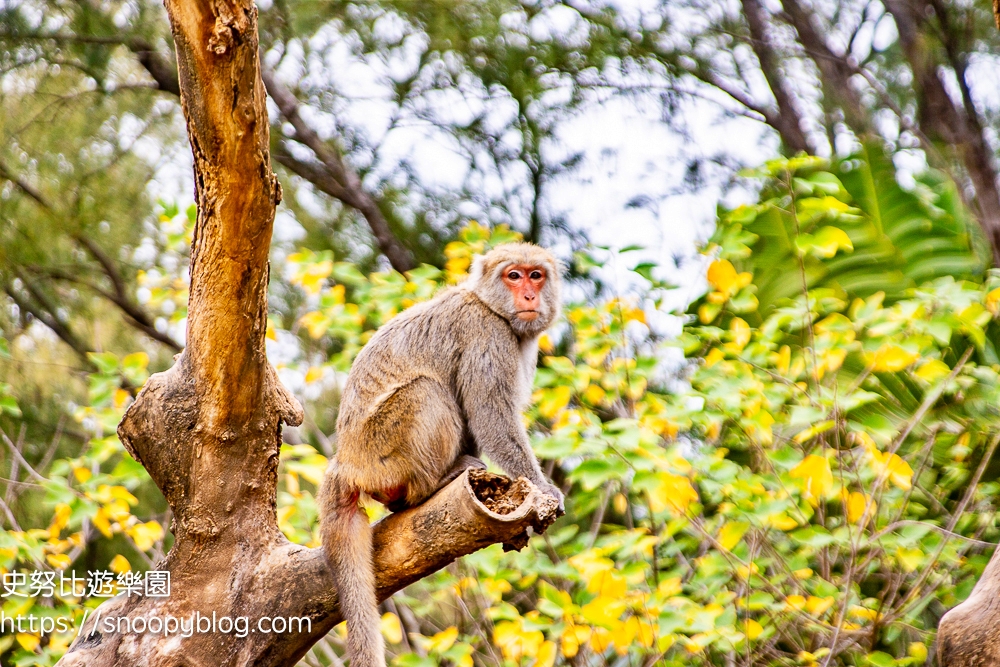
{"x": 347, "y": 541}
{"x": 400, "y": 502}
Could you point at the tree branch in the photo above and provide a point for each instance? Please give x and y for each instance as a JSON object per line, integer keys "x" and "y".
{"x": 353, "y": 192}
{"x": 788, "y": 121}
{"x": 46, "y": 314}
{"x": 24, "y": 186}
{"x": 138, "y": 317}
{"x": 290, "y": 581}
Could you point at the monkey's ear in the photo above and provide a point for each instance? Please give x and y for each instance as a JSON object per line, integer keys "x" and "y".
{"x": 476, "y": 271}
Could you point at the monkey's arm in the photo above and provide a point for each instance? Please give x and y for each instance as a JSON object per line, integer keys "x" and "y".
{"x": 490, "y": 394}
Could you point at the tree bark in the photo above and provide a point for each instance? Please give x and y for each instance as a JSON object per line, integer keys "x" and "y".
{"x": 208, "y": 430}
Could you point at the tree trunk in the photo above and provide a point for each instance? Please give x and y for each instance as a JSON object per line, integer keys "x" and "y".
{"x": 944, "y": 121}
{"x": 835, "y": 71}
{"x": 209, "y": 429}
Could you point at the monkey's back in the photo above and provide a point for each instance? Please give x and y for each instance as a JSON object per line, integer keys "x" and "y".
{"x": 401, "y": 398}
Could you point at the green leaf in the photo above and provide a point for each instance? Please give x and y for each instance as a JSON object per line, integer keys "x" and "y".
{"x": 593, "y": 473}
{"x": 106, "y": 362}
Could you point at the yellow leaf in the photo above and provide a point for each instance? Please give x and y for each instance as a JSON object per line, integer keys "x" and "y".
{"x": 803, "y": 573}
{"x": 622, "y": 635}
{"x": 819, "y": 606}
{"x": 58, "y": 561}
{"x": 392, "y": 629}
{"x": 672, "y": 491}
{"x": 782, "y": 521}
{"x": 546, "y": 655}
{"x": 891, "y": 358}
{"x": 669, "y": 587}
{"x": 284, "y": 514}
{"x": 27, "y": 641}
{"x": 817, "y": 477}
{"x": 120, "y": 398}
{"x": 753, "y": 629}
{"x": 714, "y": 356}
{"x": 146, "y": 534}
{"x": 100, "y": 521}
{"x": 545, "y": 343}
{"x": 594, "y": 394}
{"x": 854, "y": 505}
{"x": 620, "y": 503}
{"x": 600, "y": 640}
{"x": 609, "y": 584}
{"x": 933, "y": 370}
{"x": 120, "y": 564}
{"x": 910, "y": 559}
{"x": 708, "y": 311}
{"x": 60, "y": 519}
{"x": 814, "y": 430}
{"x": 993, "y": 301}
{"x": 894, "y": 468}
{"x": 723, "y": 277}
{"x": 315, "y": 323}
{"x": 731, "y": 534}
{"x": 591, "y": 563}
{"x": 603, "y": 611}
{"x": 740, "y": 332}
{"x": 829, "y": 240}
{"x": 314, "y": 373}
{"x": 443, "y": 640}
{"x": 574, "y": 636}
{"x": 553, "y": 400}
{"x": 136, "y": 360}
{"x": 82, "y": 475}
{"x": 863, "y": 613}
{"x": 515, "y": 642}
{"x": 643, "y": 631}
{"x": 795, "y": 602}
{"x": 784, "y": 359}
{"x": 121, "y": 493}
{"x": 918, "y": 650}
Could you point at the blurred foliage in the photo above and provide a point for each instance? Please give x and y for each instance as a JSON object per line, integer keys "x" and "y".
{"x": 813, "y": 486}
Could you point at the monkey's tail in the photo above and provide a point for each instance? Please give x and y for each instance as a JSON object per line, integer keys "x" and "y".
{"x": 347, "y": 541}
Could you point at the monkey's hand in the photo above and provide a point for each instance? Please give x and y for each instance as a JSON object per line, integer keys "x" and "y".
{"x": 553, "y": 490}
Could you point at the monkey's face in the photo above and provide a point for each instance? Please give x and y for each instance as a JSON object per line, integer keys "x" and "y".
{"x": 520, "y": 282}
{"x": 525, "y": 283}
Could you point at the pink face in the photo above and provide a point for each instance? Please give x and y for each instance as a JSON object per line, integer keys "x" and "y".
{"x": 525, "y": 282}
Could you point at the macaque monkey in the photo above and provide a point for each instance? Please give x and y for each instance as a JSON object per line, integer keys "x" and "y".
{"x": 434, "y": 387}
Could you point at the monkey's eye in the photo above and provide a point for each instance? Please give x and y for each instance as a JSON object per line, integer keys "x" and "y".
{"x": 514, "y": 275}
{"x": 536, "y": 275}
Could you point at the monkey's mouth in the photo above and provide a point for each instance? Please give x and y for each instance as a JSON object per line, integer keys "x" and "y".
{"x": 527, "y": 315}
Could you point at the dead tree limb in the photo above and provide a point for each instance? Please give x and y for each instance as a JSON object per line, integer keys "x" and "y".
{"x": 208, "y": 430}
